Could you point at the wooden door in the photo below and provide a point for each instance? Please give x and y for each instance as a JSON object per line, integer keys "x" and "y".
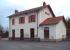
{"x": 21, "y": 34}
{"x": 46, "y": 33}
{"x": 32, "y": 32}
{"x": 13, "y": 34}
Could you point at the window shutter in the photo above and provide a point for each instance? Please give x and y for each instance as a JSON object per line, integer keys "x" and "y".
{"x": 29, "y": 18}
{"x": 23, "y": 19}
{"x": 13, "y": 21}
{"x": 33, "y": 18}
{"x": 19, "y": 20}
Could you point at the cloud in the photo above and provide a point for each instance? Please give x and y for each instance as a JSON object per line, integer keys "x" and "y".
{"x": 14, "y": 2}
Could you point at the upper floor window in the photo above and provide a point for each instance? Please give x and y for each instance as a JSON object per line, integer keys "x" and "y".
{"x": 47, "y": 13}
{"x": 21, "y": 20}
{"x": 13, "y": 21}
{"x": 32, "y": 18}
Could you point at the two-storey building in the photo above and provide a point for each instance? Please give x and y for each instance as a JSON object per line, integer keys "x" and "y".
{"x": 38, "y": 22}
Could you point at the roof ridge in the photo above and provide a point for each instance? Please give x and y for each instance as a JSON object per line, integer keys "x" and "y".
{"x": 33, "y": 10}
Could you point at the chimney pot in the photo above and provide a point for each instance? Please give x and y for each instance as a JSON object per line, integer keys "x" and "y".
{"x": 16, "y": 11}
{"x": 44, "y": 4}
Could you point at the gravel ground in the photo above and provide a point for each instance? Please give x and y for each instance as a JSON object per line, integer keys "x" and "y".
{"x": 21, "y": 45}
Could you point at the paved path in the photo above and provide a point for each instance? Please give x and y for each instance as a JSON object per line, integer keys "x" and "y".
{"x": 20, "y": 45}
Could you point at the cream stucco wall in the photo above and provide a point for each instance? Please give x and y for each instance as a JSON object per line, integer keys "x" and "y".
{"x": 55, "y": 31}
{"x": 42, "y": 16}
{"x": 52, "y": 31}
{"x": 26, "y": 26}
{"x": 60, "y": 30}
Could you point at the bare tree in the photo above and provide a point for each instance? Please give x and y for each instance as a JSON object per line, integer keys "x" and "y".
{"x": 1, "y": 29}
{"x": 68, "y": 27}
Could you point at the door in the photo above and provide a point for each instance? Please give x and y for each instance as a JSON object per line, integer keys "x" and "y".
{"x": 46, "y": 32}
{"x": 21, "y": 34}
{"x": 13, "y": 34}
{"x": 32, "y": 33}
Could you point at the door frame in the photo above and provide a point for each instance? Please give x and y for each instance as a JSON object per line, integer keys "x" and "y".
{"x": 46, "y": 32}
{"x": 13, "y": 34}
{"x": 32, "y": 33}
{"x": 21, "y": 34}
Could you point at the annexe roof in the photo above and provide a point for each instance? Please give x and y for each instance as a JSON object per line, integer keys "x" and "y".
{"x": 52, "y": 21}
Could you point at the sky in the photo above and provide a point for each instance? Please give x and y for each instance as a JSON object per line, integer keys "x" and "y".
{"x": 7, "y": 7}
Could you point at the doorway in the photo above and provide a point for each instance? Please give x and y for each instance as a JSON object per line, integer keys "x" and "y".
{"x": 32, "y": 33}
{"x": 46, "y": 33}
{"x": 21, "y": 34}
{"x": 13, "y": 34}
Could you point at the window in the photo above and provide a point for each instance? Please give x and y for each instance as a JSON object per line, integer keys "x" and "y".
{"x": 47, "y": 13}
{"x": 46, "y": 28}
{"x": 21, "y": 20}
{"x": 13, "y": 21}
{"x": 32, "y": 18}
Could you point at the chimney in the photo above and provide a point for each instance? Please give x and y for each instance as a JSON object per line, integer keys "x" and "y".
{"x": 16, "y": 11}
{"x": 44, "y": 4}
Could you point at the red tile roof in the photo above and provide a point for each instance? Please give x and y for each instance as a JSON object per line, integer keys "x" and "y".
{"x": 33, "y": 10}
{"x": 51, "y": 21}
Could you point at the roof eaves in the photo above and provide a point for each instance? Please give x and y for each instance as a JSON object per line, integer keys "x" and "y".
{"x": 49, "y": 7}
